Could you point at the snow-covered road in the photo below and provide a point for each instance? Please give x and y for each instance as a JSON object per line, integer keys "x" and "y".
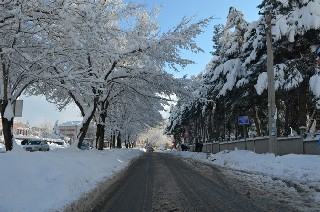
{"x": 294, "y": 179}
{"x": 63, "y": 175}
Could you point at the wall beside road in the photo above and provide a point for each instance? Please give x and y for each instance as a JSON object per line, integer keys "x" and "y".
{"x": 286, "y": 145}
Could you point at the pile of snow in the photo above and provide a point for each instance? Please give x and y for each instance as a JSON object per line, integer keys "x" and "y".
{"x": 296, "y": 177}
{"x": 302, "y": 171}
{"x": 55, "y": 146}
{"x": 2, "y": 148}
{"x": 47, "y": 181}
{"x": 292, "y": 167}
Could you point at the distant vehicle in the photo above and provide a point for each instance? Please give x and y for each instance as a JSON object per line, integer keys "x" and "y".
{"x": 85, "y": 146}
{"x": 185, "y": 147}
{"x": 36, "y": 145}
{"x": 24, "y": 142}
{"x": 150, "y": 149}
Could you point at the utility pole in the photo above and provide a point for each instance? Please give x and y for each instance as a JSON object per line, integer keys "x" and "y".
{"x": 272, "y": 126}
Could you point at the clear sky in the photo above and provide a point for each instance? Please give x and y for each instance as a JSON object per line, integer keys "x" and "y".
{"x": 36, "y": 110}
{"x": 174, "y": 10}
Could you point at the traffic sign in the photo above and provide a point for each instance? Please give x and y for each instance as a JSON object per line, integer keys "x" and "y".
{"x": 242, "y": 120}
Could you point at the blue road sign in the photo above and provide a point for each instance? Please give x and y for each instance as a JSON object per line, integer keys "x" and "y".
{"x": 243, "y": 120}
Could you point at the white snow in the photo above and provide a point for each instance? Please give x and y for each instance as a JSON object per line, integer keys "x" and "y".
{"x": 62, "y": 175}
{"x": 298, "y": 21}
{"x": 2, "y": 148}
{"x": 262, "y": 83}
{"x": 8, "y": 113}
{"x": 292, "y": 167}
{"x": 315, "y": 85}
{"x": 48, "y": 181}
{"x": 71, "y": 123}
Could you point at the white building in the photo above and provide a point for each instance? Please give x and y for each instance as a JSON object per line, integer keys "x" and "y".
{"x": 70, "y": 129}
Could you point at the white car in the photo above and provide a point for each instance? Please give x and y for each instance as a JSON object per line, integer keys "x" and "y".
{"x": 36, "y": 145}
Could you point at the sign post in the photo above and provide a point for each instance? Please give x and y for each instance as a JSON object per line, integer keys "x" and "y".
{"x": 17, "y": 108}
{"x": 244, "y": 120}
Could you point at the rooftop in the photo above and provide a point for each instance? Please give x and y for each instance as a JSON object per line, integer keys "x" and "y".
{"x": 70, "y": 123}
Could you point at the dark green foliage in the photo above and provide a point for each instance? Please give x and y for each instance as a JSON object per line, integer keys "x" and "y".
{"x": 216, "y": 118}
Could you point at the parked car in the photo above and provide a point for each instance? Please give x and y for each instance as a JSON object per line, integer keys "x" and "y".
{"x": 59, "y": 142}
{"x": 36, "y": 145}
{"x": 24, "y": 142}
{"x": 85, "y": 146}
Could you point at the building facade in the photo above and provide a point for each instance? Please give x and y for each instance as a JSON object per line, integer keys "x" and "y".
{"x": 70, "y": 129}
{"x": 19, "y": 128}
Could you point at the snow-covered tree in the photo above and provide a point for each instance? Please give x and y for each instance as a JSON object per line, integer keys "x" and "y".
{"x": 56, "y": 130}
{"x": 131, "y": 112}
{"x": 236, "y": 78}
{"x": 46, "y": 129}
{"x": 156, "y": 137}
{"x": 115, "y": 43}
{"x": 23, "y": 52}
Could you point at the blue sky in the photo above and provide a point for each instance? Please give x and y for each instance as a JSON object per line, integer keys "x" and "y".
{"x": 36, "y": 110}
{"x": 174, "y": 10}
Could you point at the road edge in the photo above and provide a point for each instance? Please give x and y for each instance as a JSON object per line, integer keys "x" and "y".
{"x": 88, "y": 201}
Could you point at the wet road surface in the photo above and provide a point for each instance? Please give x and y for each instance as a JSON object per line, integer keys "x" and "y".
{"x": 162, "y": 182}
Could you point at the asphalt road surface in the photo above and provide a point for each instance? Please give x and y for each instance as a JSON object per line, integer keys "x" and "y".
{"x": 162, "y": 182}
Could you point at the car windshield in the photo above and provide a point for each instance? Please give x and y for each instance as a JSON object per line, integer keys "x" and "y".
{"x": 34, "y": 142}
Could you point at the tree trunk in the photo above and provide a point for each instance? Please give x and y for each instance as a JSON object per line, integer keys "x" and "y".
{"x": 7, "y": 125}
{"x": 100, "y": 136}
{"x": 97, "y": 136}
{"x": 84, "y": 130}
{"x": 113, "y": 140}
{"x": 130, "y": 142}
{"x": 103, "y": 106}
{"x": 101, "y": 128}
{"x": 286, "y": 119}
{"x": 257, "y": 121}
{"x": 7, "y": 132}
{"x": 303, "y": 91}
{"x": 119, "y": 140}
{"x": 110, "y": 143}
{"x": 87, "y": 114}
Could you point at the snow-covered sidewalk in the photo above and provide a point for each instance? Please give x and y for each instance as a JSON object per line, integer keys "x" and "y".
{"x": 46, "y": 181}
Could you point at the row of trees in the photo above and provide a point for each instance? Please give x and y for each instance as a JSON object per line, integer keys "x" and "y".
{"x": 155, "y": 137}
{"x": 107, "y": 57}
{"x": 235, "y": 82}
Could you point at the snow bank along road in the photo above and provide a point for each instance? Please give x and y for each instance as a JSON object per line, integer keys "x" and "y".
{"x": 163, "y": 182}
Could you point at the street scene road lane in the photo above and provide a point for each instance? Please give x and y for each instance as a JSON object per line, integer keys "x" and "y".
{"x": 162, "y": 182}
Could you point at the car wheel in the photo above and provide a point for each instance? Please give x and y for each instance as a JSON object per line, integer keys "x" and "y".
{"x": 48, "y": 149}
{"x": 40, "y": 149}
